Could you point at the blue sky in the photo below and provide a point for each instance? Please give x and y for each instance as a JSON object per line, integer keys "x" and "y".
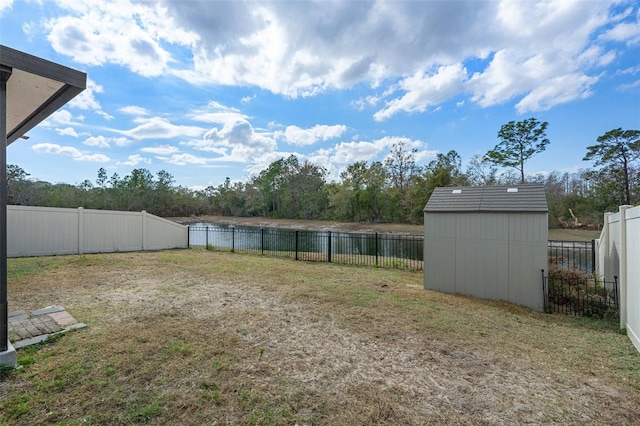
{"x": 207, "y": 90}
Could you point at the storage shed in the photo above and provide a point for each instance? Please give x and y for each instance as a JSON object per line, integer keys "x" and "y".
{"x": 488, "y": 242}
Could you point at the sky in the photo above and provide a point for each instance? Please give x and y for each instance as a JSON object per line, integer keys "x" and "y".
{"x": 207, "y": 90}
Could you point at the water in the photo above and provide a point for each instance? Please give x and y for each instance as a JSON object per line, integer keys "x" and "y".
{"x": 577, "y": 255}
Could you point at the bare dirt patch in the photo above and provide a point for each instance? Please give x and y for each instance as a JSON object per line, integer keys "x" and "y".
{"x": 194, "y": 337}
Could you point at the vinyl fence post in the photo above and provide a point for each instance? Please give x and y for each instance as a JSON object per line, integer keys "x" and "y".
{"x": 80, "y": 230}
{"x": 329, "y": 248}
{"x": 144, "y": 230}
{"x": 623, "y": 265}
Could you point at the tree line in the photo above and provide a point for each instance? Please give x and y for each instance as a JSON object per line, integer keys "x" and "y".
{"x": 392, "y": 191}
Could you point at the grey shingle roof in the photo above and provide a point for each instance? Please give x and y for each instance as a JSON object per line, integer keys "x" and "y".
{"x": 512, "y": 198}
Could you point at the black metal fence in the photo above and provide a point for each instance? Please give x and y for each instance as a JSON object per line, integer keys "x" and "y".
{"x": 379, "y": 250}
{"x": 573, "y": 255}
{"x": 572, "y": 293}
{"x": 367, "y": 249}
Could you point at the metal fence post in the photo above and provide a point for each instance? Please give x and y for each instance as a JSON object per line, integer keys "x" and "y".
{"x": 296, "y": 244}
{"x": 329, "y": 248}
{"x": 233, "y": 240}
{"x": 262, "y": 239}
{"x": 593, "y": 257}
{"x": 377, "y": 250}
{"x": 544, "y": 292}
{"x": 206, "y": 238}
{"x": 188, "y": 236}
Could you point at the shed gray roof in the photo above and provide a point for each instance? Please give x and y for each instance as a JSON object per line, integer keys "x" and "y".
{"x": 513, "y": 198}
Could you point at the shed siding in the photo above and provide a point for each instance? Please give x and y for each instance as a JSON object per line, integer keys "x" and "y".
{"x": 488, "y": 255}
{"x": 439, "y": 254}
{"x": 527, "y": 258}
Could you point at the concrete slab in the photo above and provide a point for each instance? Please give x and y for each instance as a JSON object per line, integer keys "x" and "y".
{"x": 48, "y": 310}
{"x": 17, "y": 314}
{"x": 31, "y": 341}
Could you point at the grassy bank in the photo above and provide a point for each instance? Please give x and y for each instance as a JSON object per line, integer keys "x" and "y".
{"x": 195, "y": 337}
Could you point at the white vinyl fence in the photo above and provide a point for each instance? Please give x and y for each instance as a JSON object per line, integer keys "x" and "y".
{"x": 43, "y": 231}
{"x": 618, "y": 255}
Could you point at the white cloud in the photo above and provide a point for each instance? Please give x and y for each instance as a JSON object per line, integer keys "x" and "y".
{"x": 105, "y": 115}
{"x": 125, "y": 33}
{"x": 424, "y": 50}
{"x": 185, "y": 159}
{"x": 558, "y": 91}
{"x": 350, "y": 152}
{"x": 134, "y": 110}
{"x": 425, "y": 90}
{"x": 67, "y": 131}
{"x": 629, "y": 86}
{"x": 76, "y": 154}
{"x": 5, "y": 5}
{"x": 61, "y": 117}
{"x": 106, "y": 142}
{"x": 301, "y": 137}
{"x": 536, "y": 79}
{"x": 628, "y": 32}
{"x": 160, "y": 149}
{"x": 217, "y": 113}
{"x": 160, "y": 128}
{"x": 86, "y": 100}
{"x": 368, "y": 101}
{"x": 236, "y": 141}
{"x": 629, "y": 71}
{"x": 134, "y": 160}
{"x": 30, "y": 29}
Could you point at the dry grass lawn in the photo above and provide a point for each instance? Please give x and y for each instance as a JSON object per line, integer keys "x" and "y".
{"x": 196, "y": 337}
